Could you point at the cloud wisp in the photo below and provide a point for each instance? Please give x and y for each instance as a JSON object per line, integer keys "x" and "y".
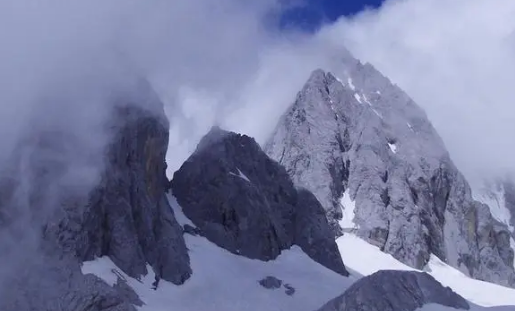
{"x": 456, "y": 59}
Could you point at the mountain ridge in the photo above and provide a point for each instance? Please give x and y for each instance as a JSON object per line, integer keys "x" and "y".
{"x": 246, "y": 232}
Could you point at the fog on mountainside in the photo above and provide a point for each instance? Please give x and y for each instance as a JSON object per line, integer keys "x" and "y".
{"x": 460, "y": 69}
{"x": 64, "y": 65}
{"x": 226, "y": 64}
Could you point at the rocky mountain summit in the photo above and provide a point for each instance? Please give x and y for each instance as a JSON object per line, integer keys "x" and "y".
{"x": 246, "y": 203}
{"x": 379, "y": 169}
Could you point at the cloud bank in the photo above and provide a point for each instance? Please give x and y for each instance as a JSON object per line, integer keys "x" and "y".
{"x": 456, "y": 59}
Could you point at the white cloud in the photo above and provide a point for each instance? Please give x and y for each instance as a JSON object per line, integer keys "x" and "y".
{"x": 457, "y": 60}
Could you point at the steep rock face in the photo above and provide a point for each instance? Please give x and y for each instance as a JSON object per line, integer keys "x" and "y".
{"x": 313, "y": 233}
{"x": 246, "y": 203}
{"x": 50, "y": 222}
{"x": 128, "y": 217}
{"x": 499, "y": 195}
{"x": 395, "y": 291}
{"x": 379, "y": 168}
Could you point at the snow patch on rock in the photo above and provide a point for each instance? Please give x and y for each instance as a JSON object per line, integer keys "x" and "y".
{"x": 241, "y": 175}
{"x": 351, "y": 85}
{"x": 367, "y": 259}
{"x": 393, "y": 147}
{"x": 358, "y": 98}
{"x": 348, "y": 212}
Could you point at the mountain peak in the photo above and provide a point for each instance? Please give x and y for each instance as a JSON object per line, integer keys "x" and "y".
{"x": 380, "y": 170}
{"x": 245, "y": 202}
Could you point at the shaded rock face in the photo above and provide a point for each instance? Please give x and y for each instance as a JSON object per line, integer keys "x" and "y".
{"x": 313, "y": 233}
{"x": 375, "y": 163}
{"x": 246, "y": 203}
{"x": 49, "y": 283}
{"x": 271, "y": 282}
{"x": 49, "y": 224}
{"x": 128, "y": 217}
{"x": 395, "y": 291}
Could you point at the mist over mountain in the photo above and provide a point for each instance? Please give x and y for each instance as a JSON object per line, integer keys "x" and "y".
{"x": 263, "y": 67}
{"x": 373, "y": 131}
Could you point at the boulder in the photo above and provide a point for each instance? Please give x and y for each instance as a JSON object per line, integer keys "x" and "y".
{"x": 391, "y": 290}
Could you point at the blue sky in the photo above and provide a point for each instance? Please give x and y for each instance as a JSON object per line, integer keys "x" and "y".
{"x": 317, "y": 12}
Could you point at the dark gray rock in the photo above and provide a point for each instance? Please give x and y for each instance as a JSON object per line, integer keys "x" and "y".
{"x": 191, "y": 230}
{"x": 395, "y": 291}
{"x": 52, "y": 219}
{"x": 246, "y": 203}
{"x": 290, "y": 290}
{"x": 313, "y": 232}
{"x": 128, "y": 217}
{"x": 251, "y": 216}
{"x": 47, "y": 283}
{"x": 271, "y": 282}
{"x": 127, "y": 293}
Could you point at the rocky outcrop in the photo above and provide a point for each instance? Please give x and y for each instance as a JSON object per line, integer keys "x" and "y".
{"x": 128, "y": 217}
{"x": 246, "y": 203}
{"x": 390, "y": 290}
{"x": 51, "y": 221}
{"x": 380, "y": 170}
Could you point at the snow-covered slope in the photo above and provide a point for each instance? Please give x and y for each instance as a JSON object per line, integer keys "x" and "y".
{"x": 225, "y": 281}
{"x": 367, "y": 259}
